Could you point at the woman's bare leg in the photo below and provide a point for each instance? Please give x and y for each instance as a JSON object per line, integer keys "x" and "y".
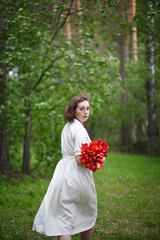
{"x": 87, "y": 235}
{"x": 64, "y": 237}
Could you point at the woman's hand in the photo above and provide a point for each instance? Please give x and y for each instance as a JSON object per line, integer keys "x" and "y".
{"x": 79, "y": 163}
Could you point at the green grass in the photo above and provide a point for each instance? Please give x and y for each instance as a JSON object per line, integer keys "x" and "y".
{"x": 128, "y": 191}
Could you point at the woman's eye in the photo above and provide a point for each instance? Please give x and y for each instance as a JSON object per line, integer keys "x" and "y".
{"x": 83, "y": 109}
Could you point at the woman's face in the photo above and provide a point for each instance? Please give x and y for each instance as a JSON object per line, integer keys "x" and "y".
{"x": 82, "y": 111}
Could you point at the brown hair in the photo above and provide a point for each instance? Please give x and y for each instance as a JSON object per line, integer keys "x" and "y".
{"x": 69, "y": 112}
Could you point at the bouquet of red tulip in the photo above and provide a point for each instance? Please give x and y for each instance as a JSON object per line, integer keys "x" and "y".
{"x": 93, "y": 155}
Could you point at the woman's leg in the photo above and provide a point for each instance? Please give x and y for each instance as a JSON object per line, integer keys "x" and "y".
{"x": 64, "y": 237}
{"x": 87, "y": 235}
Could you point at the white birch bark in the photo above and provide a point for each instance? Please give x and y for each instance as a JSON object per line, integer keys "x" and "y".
{"x": 150, "y": 88}
{"x": 134, "y": 33}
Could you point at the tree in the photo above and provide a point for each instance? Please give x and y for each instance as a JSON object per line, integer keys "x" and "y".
{"x": 131, "y": 39}
{"x": 77, "y": 20}
{"x": 4, "y": 148}
{"x": 68, "y": 31}
{"x": 122, "y": 72}
{"x": 150, "y": 87}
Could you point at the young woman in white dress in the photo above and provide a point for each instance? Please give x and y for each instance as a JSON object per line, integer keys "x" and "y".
{"x": 70, "y": 203}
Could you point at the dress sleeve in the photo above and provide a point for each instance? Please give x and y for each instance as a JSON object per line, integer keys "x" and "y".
{"x": 81, "y": 137}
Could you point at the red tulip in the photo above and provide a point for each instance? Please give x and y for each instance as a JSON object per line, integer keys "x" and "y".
{"x": 94, "y": 168}
{"x": 102, "y": 163}
{"x": 98, "y": 166}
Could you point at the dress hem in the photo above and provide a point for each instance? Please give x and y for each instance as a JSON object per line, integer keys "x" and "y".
{"x": 72, "y": 233}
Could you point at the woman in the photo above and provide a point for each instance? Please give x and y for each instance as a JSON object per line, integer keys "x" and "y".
{"x": 70, "y": 204}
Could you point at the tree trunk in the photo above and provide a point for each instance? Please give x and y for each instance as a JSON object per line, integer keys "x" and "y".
{"x": 134, "y": 33}
{"x": 27, "y": 138}
{"x": 128, "y": 37}
{"x": 124, "y": 137}
{"x": 150, "y": 90}
{"x": 131, "y": 53}
{"x": 68, "y": 31}
{"x": 4, "y": 149}
{"x": 78, "y": 30}
{"x": 131, "y": 39}
{"x": 122, "y": 54}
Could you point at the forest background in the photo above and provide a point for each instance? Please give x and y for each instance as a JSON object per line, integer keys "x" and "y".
{"x": 52, "y": 51}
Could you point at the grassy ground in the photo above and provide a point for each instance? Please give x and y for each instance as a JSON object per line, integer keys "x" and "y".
{"x": 128, "y": 191}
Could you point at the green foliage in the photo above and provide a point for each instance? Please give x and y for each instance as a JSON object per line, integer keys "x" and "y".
{"x": 128, "y": 192}
{"x": 33, "y": 38}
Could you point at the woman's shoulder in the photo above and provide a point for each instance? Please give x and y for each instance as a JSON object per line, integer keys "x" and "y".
{"x": 77, "y": 123}
{"x": 75, "y": 126}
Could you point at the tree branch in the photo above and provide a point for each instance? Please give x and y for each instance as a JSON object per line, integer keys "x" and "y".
{"x": 80, "y": 10}
{"x": 50, "y": 85}
{"x": 43, "y": 73}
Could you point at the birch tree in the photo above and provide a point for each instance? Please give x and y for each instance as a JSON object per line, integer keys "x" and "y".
{"x": 131, "y": 39}
{"x": 150, "y": 87}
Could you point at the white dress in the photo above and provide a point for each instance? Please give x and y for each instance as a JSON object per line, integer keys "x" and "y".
{"x": 70, "y": 204}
